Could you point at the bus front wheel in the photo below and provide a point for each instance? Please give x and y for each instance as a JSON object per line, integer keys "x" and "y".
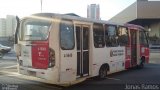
{"x": 142, "y": 61}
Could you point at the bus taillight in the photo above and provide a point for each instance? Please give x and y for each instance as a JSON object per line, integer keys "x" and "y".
{"x": 51, "y": 58}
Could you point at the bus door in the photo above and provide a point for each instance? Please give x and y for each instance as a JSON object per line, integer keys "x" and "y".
{"x": 133, "y": 47}
{"x": 82, "y": 38}
{"x": 144, "y": 47}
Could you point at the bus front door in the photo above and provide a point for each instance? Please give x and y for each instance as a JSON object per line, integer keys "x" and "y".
{"x": 82, "y": 38}
{"x": 133, "y": 47}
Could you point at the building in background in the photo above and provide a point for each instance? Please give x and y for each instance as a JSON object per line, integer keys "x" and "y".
{"x": 7, "y": 26}
{"x": 2, "y": 27}
{"x": 93, "y": 11}
{"x": 145, "y": 13}
{"x": 7, "y": 29}
{"x": 11, "y": 25}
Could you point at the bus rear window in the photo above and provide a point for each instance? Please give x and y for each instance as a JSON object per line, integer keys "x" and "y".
{"x": 35, "y": 30}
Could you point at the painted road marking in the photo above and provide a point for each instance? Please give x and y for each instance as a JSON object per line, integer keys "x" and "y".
{"x": 7, "y": 72}
{"x": 9, "y": 67}
{"x": 113, "y": 78}
{"x": 12, "y": 75}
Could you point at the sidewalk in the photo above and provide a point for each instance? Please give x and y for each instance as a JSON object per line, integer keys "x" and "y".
{"x": 155, "y": 57}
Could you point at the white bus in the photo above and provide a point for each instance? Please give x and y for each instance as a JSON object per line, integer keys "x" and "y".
{"x": 63, "y": 49}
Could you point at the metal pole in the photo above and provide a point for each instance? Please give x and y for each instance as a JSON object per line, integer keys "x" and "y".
{"x": 41, "y": 5}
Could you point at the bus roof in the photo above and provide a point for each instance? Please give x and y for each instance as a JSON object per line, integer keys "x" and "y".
{"x": 72, "y": 17}
{"x": 78, "y": 18}
{"x": 133, "y": 26}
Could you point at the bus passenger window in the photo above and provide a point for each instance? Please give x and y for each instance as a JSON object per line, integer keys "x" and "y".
{"x": 122, "y": 36}
{"x": 143, "y": 38}
{"x": 66, "y": 35}
{"x": 110, "y": 36}
{"x": 98, "y": 34}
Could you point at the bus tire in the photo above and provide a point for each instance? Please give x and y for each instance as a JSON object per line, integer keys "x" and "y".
{"x": 103, "y": 72}
{"x": 141, "y": 65}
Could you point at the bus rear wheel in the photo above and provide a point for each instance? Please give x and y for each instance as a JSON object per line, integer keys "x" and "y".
{"x": 103, "y": 72}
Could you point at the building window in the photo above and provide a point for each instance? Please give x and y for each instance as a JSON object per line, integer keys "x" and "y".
{"x": 98, "y": 34}
{"x": 66, "y": 35}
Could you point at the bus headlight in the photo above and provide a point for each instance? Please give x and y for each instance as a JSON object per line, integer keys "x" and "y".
{"x": 51, "y": 58}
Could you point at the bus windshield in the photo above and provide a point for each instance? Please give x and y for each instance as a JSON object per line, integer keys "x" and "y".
{"x": 35, "y": 30}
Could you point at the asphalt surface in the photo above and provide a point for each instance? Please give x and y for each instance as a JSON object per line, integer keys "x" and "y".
{"x": 147, "y": 78}
{"x": 149, "y": 75}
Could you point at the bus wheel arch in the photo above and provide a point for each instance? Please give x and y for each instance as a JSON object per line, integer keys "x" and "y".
{"x": 103, "y": 70}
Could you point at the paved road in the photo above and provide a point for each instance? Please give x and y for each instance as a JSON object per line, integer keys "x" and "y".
{"x": 9, "y": 59}
{"x": 131, "y": 79}
{"x": 149, "y": 75}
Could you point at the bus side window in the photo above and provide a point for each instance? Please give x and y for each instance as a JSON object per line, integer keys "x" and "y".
{"x": 110, "y": 36}
{"x": 98, "y": 34}
{"x": 122, "y": 36}
{"x": 66, "y": 35}
{"x": 143, "y": 38}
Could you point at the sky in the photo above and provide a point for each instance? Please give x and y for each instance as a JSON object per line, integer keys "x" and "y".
{"x": 22, "y": 8}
